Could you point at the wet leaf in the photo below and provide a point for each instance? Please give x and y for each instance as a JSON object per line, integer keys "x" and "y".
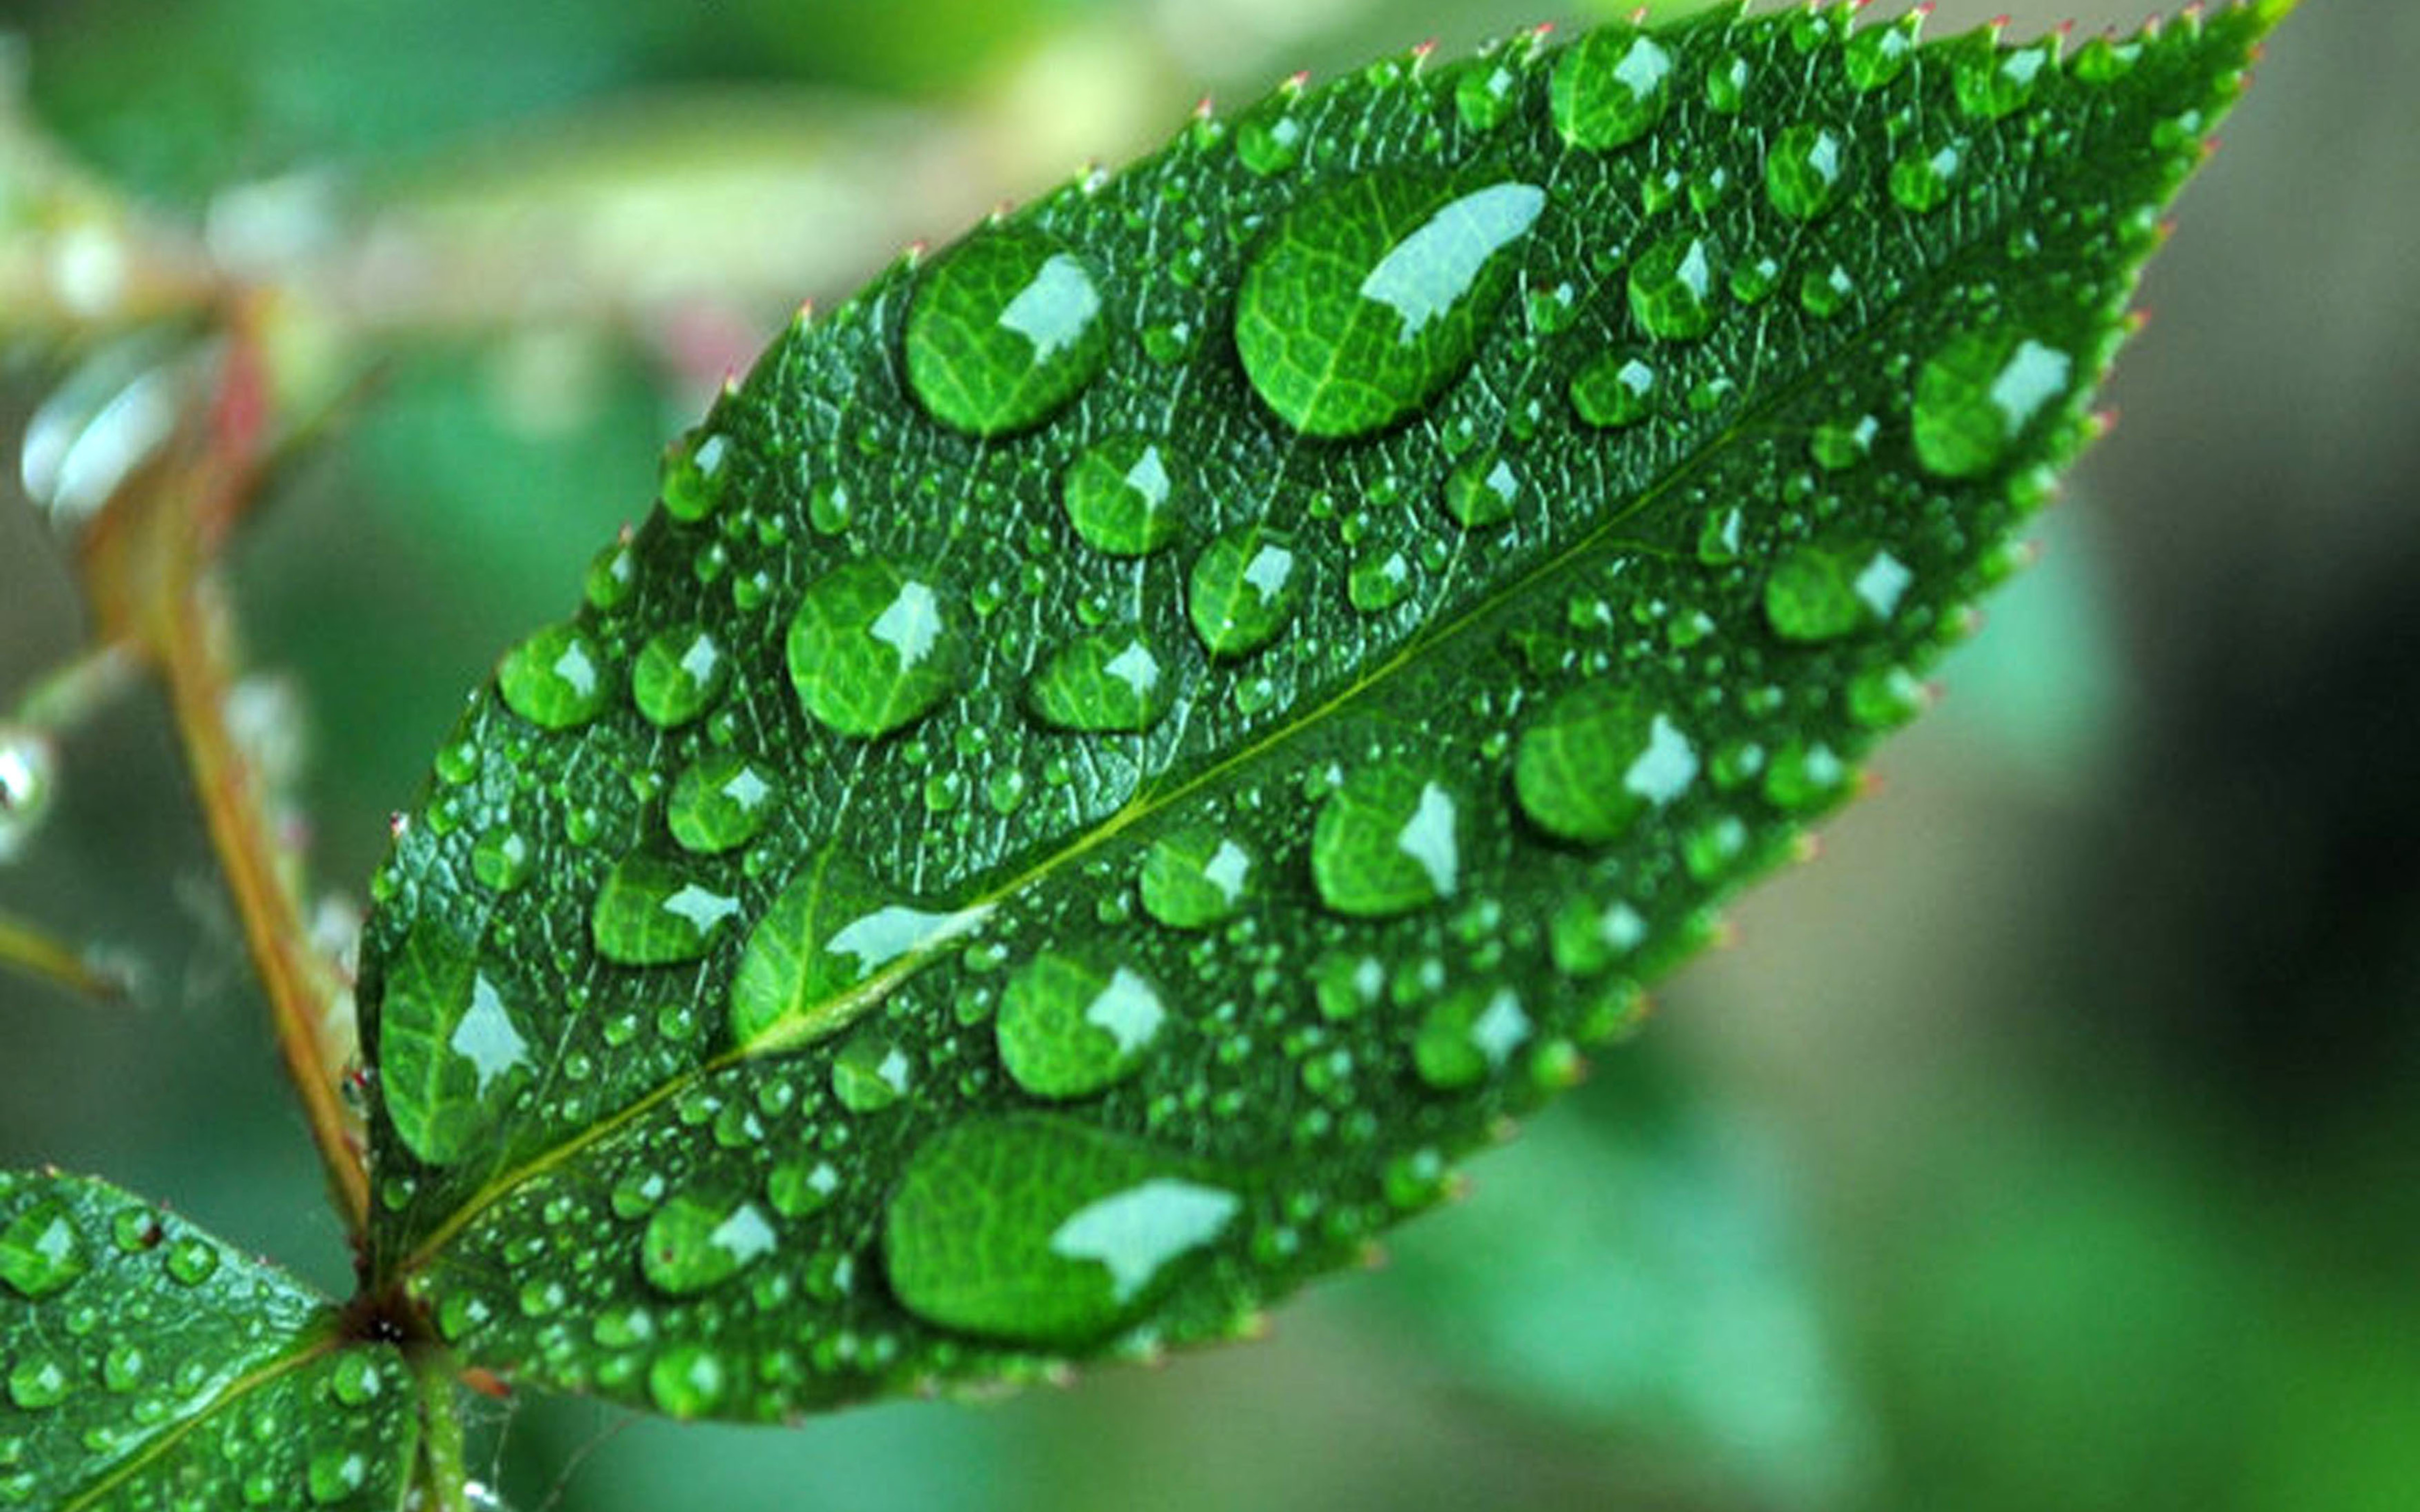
{"x": 144, "y": 1364}
{"x": 1141, "y": 738}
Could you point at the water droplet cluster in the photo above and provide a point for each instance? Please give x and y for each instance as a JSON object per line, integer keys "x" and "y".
{"x": 1131, "y": 743}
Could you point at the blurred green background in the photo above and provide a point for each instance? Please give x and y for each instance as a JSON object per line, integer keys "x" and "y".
{"x": 2053, "y": 1142}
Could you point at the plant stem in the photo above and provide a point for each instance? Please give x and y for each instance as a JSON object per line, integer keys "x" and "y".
{"x": 442, "y": 1474}
{"x": 34, "y": 950}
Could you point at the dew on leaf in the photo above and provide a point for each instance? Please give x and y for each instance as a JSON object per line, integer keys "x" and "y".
{"x": 503, "y": 858}
{"x": 1269, "y": 141}
{"x": 871, "y": 1072}
{"x": 1243, "y": 589}
{"x": 1385, "y": 842}
{"x": 1006, "y": 329}
{"x": 1877, "y": 55}
{"x": 1485, "y": 95}
{"x": 1468, "y": 1035}
{"x": 451, "y": 1055}
{"x": 652, "y": 912}
{"x": 1041, "y": 1230}
{"x": 1595, "y": 760}
{"x": 1614, "y": 390}
{"x": 192, "y": 1260}
{"x": 1920, "y": 179}
{"x": 1366, "y": 301}
{"x": 1674, "y": 287}
{"x": 1820, "y": 593}
{"x": 699, "y": 1239}
{"x": 556, "y": 679}
{"x": 1379, "y": 580}
{"x": 1803, "y": 169}
{"x": 1482, "y": 491}
{"x": 829, "y": 931}
{"x": 1992, "y": 83}
{"x": 42, "y": 1251}
{"x": 1111, "y": 680}
{"x": 1610, "y": 89}
{"x": 678, "y": 673}
{"x": 1974, "y": 398}
{"x": 687, "y": 1380}
{"x": 37, "y": 1382}
{"x": 799, "y": 1187}
{"x": 1195, "y": 877}
{"x": 335, "y": 1474}
{"x": 1068, "y": 1028}
{"x": 690, "y": 482}
{"x": 1587, "y": 937}
{"x": 1123, "y": 497}
{"x": 874, "y": 646}
{"x": 720, "y": 801}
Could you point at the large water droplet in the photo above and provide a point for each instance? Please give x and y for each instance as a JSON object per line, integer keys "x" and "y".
{"x": 653, "y": 913}
{"x": 42, "y": 1251}
{"x": 828, "y": 933}
{"x": 556, "y": 679}
{"x": 1123, "y": 498}
{"x": 1068, "y": 1028}
{"x": 1610, "y": 89}
{"x": 36, "y": 1381}
{"x": 1243, "y": 589}
{"x": 1976, "y": 396}
{"x": 1991, "y": 84}
{"x": 1674, "y": 287}
{"x": 1194, "y": 878}
{"x": 1041, "y": 1230}
{"x": 451, "y": 1058}
{"x": 1364, "y": 301}
{"x": 1824, "y": 593}
{"x": 871, "y": 1072}
{"x": 702, "y": 1239}
{"x": 874, "y": 646}
{"x": 1385, "y": 842}
{"x": 1878, "y": 54}
{"x": 687, "y": 1380}
{"x": 678, "y": 673}
{"x": 1006, "y": 329}
{"x": 1596, "y": 760}
{"x": 1803, "y": 169}
{"x": 1111, "y": 680}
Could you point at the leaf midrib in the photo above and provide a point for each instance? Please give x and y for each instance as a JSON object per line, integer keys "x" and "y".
{"x": 273, "y": 1370}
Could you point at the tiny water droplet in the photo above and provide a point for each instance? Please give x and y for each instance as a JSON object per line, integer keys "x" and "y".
{"x": 1485, "y": 95}
{"x": 556, "y": 679}
{"x": 1111, "y": 680}
{"x": 1610, "y": 89}
{"x": 1587, "y": 938}
{"x": 1364, "y": 301}
{"x": 1007, "y": 328}
{"x": 874, "y": 647}
{"x": 1243, "y": 589}
{"x": 720, "y": 801}
{"x": 1596, "y": 760}
{"x": 1387, "y": 842}
{"x": 1038, "y": 1230}
{"x": 652, "y": 912}
{"x": 611, "y": 575}
{"x": 1123, "y": 498}
{"x": 1269, "y": 141}
{"x": 1726, "y": 85}
{"x": 1069, "y": 1028}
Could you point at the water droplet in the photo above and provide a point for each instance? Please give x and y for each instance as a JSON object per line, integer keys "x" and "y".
{"x": 1587, "y": 938}
{"x": 1673, "y": 288}
{"x": 686, "y": 1380}
{"x": 1596, "y": 760}
{"x": 1486, "y": 94}
{"x": 871, "y": 1072}
{"x": 1825, "y": 292}
{"x": 503, "y": 859}
{"x": 678, "y": 674}
{"x": 611, "y": 575}
{"x": 1482, "y": 491}
{"x": 1468, "y": 1035}
{"x": 1821, "y": 594}
{"x": 1920, "y": 180}
{"x": 1007, "y": 328}
{"x": 1195, "y": 877}
{"x": 1878, "y": 54}
{"x": 1041, "y": 1230}
{"x": 1993, "y": 84}
{"x": 874, "y": 646}
{"x": 799, "y": 1188}
{"x": 1614, "y": 390}
{"x": 1610, "y": 89}
{"x": 1386, "y": 842}
{"x": 828, "y": 932}
{"x": 192, "y": 1260}
{"x": 1380, "y": 580}
{"x": 1803, "y": 169}
{"x": 699, "y": 1239}
{"x": 1243, "y": 590}
{"x": 691, "y": 480}
{"x": 355, "y": 1379}
{"x": 1111, "y": 680}
{"x": 1269, "y": 140}
{"x": 556, "y": 679}
{"x": 42, "y": 1251}
{"x": 1976, "y": 397}
{"x": 1726, "y": 85}
{"x": 1123, "y": 498}
{"x": 720, "y": 801}
{"x": 28, "y": 785}
{"x": 335, "y": 1474}
{"x": 36, "y": 1381}
{"x": 1838, "y": 445}
{"x": 451, "y": 1058}
{"x": 1365, "y": 301}
{"x": 653, "y": 913}
{"x": 1068, "y": 1028}
{"x": 1805, "y": 778}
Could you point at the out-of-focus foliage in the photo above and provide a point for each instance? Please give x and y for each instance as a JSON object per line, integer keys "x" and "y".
{"x": 2048, "y": 1145}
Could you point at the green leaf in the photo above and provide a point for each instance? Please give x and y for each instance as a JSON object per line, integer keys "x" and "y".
{"x": 145, "y": 1364}
{"x": 1219, "y": 685}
